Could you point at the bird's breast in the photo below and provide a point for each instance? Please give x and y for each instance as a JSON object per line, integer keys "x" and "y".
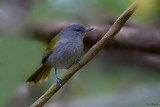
{"x": 65, "y": 53}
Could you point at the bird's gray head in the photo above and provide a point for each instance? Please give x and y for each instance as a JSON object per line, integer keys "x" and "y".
{"x": 75, "y": 30}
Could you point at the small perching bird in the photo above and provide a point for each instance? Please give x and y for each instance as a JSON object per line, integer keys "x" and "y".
{"x": 64, "y": 50}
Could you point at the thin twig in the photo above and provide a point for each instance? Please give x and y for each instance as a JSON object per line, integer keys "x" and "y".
{"x": 88, "y": 56}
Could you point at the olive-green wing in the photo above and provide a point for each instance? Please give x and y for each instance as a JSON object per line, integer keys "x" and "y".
{"x": 50, "y": 48}
{"x": 52, "y": 43}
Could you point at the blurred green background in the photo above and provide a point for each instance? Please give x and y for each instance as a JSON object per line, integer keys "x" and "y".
{"x": 103, "y": 82}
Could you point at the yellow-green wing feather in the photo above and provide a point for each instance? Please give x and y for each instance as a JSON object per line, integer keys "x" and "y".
{"x": 52, "y": 43}
{"x": 49, "y": 49}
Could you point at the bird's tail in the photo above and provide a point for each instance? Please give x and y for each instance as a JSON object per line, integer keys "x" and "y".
{"x": 40, "y": 75}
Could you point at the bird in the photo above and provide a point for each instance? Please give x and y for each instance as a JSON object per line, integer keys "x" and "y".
{"x": 64, "y": 50}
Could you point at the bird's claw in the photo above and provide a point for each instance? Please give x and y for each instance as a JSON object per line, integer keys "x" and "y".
{"x": 58, "y": 81}
{"x": 77, "y": 61}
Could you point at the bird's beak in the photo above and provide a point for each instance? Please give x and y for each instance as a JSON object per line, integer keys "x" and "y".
{"x": 88, "y": 29}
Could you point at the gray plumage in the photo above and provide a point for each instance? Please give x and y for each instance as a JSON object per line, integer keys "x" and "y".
{"x": 66, "y": 51}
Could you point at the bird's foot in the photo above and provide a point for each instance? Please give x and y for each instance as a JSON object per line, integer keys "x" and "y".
{"x": 58, "y": 80}
{"x": 77, "y": 61}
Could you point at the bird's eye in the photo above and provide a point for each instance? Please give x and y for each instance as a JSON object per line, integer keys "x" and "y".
{"x": 77, "y": 29}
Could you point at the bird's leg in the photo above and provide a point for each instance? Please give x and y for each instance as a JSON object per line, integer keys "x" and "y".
{"x": 57, "y": 78}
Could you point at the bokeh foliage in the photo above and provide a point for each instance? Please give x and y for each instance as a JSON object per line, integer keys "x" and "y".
{"x": 21, "y": 56}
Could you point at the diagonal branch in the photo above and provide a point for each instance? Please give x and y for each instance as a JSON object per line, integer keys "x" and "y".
{"x": 89, "y": 55}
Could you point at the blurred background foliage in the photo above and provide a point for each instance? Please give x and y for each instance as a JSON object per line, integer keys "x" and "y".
{"x": 73, "y": 9}
{"x": 105, "y": 81}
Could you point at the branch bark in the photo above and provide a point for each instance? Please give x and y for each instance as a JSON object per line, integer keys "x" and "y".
{"x": 115, "y": 28}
